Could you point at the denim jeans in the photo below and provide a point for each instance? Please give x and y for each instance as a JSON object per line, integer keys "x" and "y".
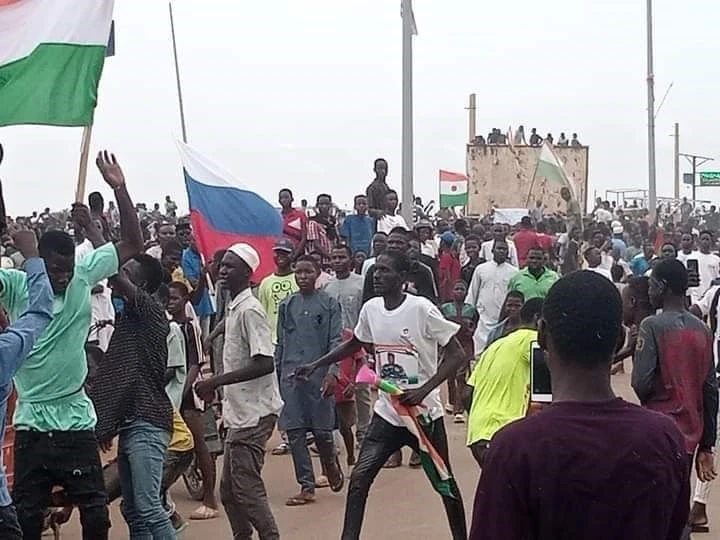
{"x": 9, "y": 527}
{"x": 242, "y": 489}
{"x": 141, "y": 454}
{"x": 69, "y": 459}
{"x": 381, "y": 440}
{"x": 302, "y": 461}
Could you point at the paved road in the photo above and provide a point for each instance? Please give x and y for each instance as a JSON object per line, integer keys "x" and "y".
{"x": 401, "y": 501}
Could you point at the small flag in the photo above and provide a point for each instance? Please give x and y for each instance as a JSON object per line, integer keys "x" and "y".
{"x": 51, "y": 58}
{"x": 551, "y": 168}
{"x": 453, "y": 189}
{"x": 432, "y": 462}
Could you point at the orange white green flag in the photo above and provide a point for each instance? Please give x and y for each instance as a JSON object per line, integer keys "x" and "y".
{"x": 51, "y": 57}
{"x": 453, "y": 189}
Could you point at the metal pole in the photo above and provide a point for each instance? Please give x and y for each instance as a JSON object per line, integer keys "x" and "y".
{"x": 677, "y": 160}
{"x": 472, "y": 119}
{"x": 408, "y": 194}
{"x": 694, "y": 173}
{"x": 177, "y": 76}
{"x": 652, "y": 188}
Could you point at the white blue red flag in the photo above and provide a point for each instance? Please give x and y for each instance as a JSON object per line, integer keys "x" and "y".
{"x": 224, "y": 213}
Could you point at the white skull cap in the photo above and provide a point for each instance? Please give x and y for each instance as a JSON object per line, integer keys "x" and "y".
{"x": 247, "y": 253}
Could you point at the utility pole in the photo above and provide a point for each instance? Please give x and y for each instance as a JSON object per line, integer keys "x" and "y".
{"x": 677, "y": 160}
{"x": 652, "y": 187}
{"x": 408, "y": 31}
{"x": 472, "y": 119}
{"x": 695, "y": 161}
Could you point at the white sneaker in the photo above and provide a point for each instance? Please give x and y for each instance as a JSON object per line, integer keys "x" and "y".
{"x": 459, "y": 418}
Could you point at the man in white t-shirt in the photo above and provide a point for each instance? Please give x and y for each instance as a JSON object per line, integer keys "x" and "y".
{"x": 593, "y": 258}
{"x": 103, "y": 313}
{"x": 391, "y": 219}
{"x": 499, "y": 234}
{"x": 708, "y": 265}
{"x": 404, "y": 331}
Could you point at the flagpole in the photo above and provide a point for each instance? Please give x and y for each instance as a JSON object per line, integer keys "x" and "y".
{"x": 532, "y": 183}
{"x": 82, "y": 171}
{"x": 408, "y": 194}
{"x": 652, "y": 187}
{"x": 177, "y": 75}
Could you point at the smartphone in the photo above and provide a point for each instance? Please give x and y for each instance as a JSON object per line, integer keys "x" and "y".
{"x": 692, "y": 266}
{"x": 540, "y": 383}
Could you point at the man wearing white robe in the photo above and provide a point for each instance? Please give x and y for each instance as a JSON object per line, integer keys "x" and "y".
{"x": 488, "y": 289}
{"x": 499, "y": 234}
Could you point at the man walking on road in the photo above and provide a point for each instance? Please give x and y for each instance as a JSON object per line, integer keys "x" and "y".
{"x": 55, "y": 419}
{"x": 251, "y": 402}
{"x": 405, "y": 332}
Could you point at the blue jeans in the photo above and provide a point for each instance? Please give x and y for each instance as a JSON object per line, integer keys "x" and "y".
{"x": 302, "y": 461}
{"x": 141, "y": 454}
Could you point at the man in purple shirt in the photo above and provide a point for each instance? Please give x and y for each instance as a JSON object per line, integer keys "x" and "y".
{"x": 590, "y": 465}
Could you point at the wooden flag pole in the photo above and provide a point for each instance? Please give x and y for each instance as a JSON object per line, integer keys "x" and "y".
{"x": 82, "y": 172}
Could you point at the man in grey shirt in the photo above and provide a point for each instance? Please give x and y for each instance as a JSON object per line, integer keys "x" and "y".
{"x": 347, "y": 288}
{"x": 251, "y": 401}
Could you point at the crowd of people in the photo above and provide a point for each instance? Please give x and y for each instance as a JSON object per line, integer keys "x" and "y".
{"x": 119, "y": 333}
{"x": 498, "y": 138}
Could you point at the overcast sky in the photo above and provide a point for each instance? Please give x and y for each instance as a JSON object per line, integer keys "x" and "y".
{"x": 306, "y": 94}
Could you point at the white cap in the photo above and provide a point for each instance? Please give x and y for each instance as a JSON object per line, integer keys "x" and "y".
{"x": 617, "y": 227}
{"x": 247, "y": 253}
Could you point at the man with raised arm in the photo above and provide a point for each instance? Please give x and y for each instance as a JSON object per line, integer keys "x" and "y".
{"x": 55, "y": 419}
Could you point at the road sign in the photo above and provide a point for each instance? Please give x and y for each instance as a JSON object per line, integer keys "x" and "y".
{"x": 709, "y": 179}
{"x": 688, "y": 178}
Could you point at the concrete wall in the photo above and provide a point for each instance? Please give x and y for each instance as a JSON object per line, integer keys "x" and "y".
{"x": 502, "y": 178}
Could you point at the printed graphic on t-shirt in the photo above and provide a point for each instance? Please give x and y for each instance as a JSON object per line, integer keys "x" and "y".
{"x": 398, "y": 363}
{"x": 279, "y": 291}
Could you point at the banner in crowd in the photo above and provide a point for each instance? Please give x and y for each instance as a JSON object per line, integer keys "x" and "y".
{"x": 223, "y": 213}
{"x": 453, "y": 189}
{"x": 509, "y": 216}
{"x": 51, "y": 57}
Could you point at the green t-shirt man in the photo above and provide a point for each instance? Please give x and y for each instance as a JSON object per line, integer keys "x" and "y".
{"x": 273, "y": 290}
{"x": 50, "y": 383}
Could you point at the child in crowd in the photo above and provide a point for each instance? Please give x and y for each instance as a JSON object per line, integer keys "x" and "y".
{"x": 345, "y": 410}
{"x": 467, "y": 317}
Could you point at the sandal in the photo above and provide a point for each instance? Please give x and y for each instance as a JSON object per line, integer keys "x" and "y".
{"x": 336, "y": 478}
{"x": 281, "y": 449}
{"x": 301, "y": 499}
{"x": 322, "y": 482}
{"x": 204, "y": 513}
{"x": 700, "y": 527}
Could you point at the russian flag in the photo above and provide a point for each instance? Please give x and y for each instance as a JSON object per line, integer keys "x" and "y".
{"x": 223, "y": 213}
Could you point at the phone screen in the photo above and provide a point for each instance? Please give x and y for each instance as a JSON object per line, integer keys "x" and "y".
{"x": 692, "y": 265}
{"x": 540, "y": 376}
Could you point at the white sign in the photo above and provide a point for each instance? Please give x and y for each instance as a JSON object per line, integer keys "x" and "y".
{"x": 509, "y": 216}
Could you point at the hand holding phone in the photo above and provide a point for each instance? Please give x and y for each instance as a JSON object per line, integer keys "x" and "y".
{"x": 540, "y": 381}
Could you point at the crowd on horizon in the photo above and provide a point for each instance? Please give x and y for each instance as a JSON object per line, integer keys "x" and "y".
{"x": 121, "y": 334}
{"x": 498, "y": 138}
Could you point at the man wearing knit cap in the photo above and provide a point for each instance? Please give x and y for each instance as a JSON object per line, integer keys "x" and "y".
{"x": 251, "y": 402}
